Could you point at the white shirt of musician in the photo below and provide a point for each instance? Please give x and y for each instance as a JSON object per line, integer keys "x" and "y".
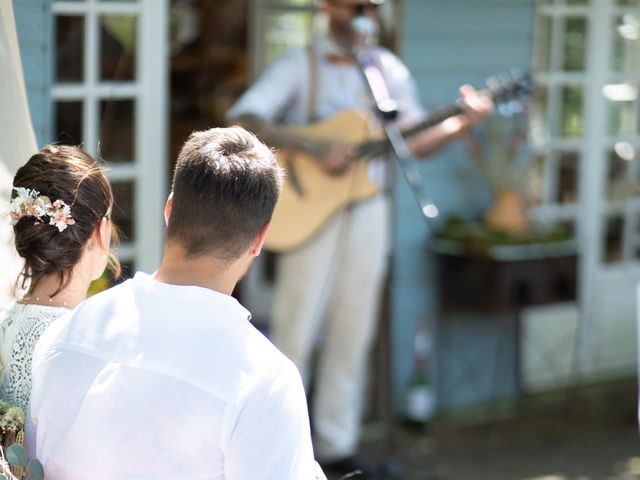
{"x": 155, "y": 381}
{"x": 282, "y": 92}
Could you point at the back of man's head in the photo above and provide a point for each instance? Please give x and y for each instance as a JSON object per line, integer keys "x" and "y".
{"x": 225, "y": 186}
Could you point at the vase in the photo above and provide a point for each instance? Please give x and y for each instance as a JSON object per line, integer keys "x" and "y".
{"x": 507, "y": 212}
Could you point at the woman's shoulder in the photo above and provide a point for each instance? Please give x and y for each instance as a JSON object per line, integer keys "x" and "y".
{"x": 25, "y": 317}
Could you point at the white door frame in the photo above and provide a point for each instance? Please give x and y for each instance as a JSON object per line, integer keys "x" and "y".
{"x": 149, "y": 90}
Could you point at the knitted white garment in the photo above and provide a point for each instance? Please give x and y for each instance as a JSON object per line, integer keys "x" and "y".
{"x": 20, "y": 328}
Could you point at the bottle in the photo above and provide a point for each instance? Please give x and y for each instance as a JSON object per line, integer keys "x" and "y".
{"x": 420, "y": 394}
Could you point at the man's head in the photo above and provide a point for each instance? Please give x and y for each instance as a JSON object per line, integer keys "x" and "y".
{"x": 342, "y": 12}
{"x": 225, "y": 186}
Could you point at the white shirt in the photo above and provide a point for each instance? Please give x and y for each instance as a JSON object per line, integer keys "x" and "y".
{"x": 282, "y": 91}
{"x": 20, "y": 328}
{"x": 155, "y": 381}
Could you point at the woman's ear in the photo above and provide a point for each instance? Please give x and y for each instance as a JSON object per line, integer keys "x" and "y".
{"x": 102, "y": 234}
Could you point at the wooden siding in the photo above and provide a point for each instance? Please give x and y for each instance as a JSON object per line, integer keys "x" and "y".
{"x": 33, "y": 23}
{"x": 445, "y": 43}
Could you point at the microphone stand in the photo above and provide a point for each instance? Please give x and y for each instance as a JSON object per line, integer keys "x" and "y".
{"x": 387, "y": 111}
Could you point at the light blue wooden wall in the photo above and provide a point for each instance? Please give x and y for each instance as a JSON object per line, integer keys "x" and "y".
{"x": 33, "y": 23}
{"x": 445, "y": 43}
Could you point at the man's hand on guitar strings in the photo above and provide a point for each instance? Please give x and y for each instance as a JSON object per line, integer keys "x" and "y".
{"x": 337, "y": 158}
{"x": 476, "y": 106}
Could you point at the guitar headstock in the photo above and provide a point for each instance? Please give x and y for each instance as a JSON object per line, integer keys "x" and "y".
{"x": 507, "y": 90}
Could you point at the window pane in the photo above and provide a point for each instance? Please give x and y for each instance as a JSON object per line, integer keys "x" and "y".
{"x": 286, "y": 29}
{"x": 537, "y": 180}
{"x": 294, "y": 2}
{"x": 117, "y": 122}
{"x": 626, "y": 47}
{"x": 563, "y": 2}
{"x": 118, "y": 47}
{"x": 636, "y": 238}
{"x": 123, "y": 209}
{"x": 621, "y": 117}
{"x": 539, "y": 122}
{"x": 543, "y": 44}
{"x": 571, "y": 113}
{"x": 622, "y": 183}
{"x": 575, "y": 43}
{"x": 69, "y": 48}
{"x": 612, "y": 244}
{"x": 568, "y": 171}
{"x": 68, "y": 122}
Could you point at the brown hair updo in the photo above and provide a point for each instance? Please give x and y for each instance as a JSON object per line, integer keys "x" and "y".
{"x": 71, "y": 175}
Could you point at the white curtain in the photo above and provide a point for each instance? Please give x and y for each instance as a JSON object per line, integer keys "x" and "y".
{"x": 17, "y": 140}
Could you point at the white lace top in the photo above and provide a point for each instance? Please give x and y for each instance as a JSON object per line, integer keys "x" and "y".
{"x": 20, "y": 328}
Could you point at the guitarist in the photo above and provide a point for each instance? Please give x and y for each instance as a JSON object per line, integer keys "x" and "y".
{"x": 330, "y": 286}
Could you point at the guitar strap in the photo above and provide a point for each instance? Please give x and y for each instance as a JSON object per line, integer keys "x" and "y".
{"x": 312, "y": 107}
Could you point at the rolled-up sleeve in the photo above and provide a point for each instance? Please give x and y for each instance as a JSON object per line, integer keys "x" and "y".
{"x": 274, "y": 89}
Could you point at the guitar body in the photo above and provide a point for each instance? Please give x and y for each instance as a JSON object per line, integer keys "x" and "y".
{"x": 311, "y": 196}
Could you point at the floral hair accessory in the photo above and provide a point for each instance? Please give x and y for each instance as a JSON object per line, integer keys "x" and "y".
{"x": 29, "y": 203}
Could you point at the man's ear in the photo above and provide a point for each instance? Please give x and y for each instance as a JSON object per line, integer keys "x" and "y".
{"x": 167, "y": 208}
{"x": 256, "y": 248}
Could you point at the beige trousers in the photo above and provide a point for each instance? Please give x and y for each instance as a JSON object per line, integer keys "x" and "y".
{"x": 327, "y": 295}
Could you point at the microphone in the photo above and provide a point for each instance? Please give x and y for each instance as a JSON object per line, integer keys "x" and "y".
{"x": 365, "y": 36}
{"x": 364, "y": 31}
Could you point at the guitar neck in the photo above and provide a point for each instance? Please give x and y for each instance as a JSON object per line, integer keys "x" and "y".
{"x": 377, "y": 147}
{"x": 499, "y": 92}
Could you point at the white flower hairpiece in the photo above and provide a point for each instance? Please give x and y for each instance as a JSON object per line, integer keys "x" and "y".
{"x": 29, "y": 203}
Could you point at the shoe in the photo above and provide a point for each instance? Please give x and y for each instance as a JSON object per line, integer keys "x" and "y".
{"x": 352, "y": 468}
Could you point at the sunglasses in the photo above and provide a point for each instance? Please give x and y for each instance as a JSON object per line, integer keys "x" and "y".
{"x": 360, "y": 8}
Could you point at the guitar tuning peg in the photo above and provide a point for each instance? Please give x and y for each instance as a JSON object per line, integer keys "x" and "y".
{"x": 495, "y": 87}
{"x": 504, "y": 109}
{"x": 516, "y": 73}
{"x": 506, "y": 80}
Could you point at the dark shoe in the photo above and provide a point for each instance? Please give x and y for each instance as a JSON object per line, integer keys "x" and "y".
{"x": 352, "y": 468}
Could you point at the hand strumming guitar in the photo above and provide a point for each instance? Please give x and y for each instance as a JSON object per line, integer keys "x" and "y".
{"x": 336, "y": 156}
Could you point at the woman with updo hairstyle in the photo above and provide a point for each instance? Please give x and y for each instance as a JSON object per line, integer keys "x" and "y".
{"x": 61, "y": 215}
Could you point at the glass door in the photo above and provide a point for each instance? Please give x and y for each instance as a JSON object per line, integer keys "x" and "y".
{"x": 109, "y": 95}
{"x": 586, "y": 133}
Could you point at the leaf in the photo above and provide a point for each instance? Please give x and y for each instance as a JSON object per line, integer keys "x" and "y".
{"x": 17, "y": 455}
{"x": 35, "y": 470}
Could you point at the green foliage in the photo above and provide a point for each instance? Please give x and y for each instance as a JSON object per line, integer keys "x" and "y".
{"x": 11, "y": 417}
{"x": 17, "y": 456}
{"x": 35, "y": 470}
{"x": 477, "y": 238}
{"x": 15, "y": 463}
{"x": 18, "y": 466}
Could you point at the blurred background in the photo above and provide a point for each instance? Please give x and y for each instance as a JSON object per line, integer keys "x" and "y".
{"x": 509, "y": 327}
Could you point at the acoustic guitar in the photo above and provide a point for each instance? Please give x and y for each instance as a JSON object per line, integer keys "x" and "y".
{"x": 311, "y": 196}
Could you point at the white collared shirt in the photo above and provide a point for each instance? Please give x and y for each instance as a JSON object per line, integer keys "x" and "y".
{"x": 282, "y": 91}
{"x": 155, "y": 381}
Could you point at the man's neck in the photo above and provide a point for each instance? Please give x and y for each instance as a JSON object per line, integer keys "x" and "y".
{"x": 203, "y": 271}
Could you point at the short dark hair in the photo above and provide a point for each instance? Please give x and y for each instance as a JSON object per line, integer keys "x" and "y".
{"x": 225, "y": 187}
{"x": 67, "y": 173}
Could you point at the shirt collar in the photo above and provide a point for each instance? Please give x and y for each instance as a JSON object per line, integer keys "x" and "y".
{"x": 189, "y": 292}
